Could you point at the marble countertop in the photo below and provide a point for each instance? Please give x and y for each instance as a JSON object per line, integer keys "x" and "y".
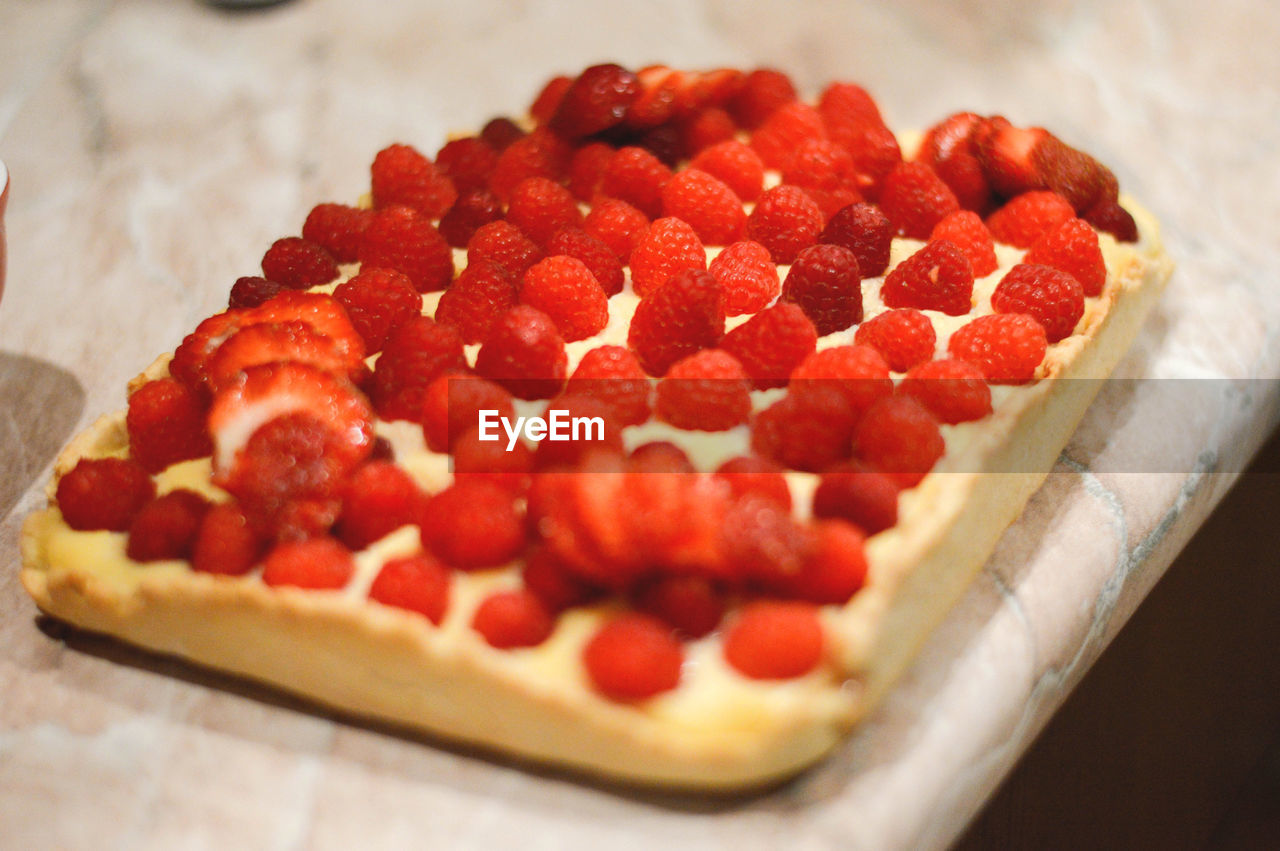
{"x": 156, "y": 149}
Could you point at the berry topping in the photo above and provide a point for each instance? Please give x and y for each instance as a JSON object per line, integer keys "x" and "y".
{"x": 855, "y": 492}
{"x": 1007, "y": 347}
{"x": 1052, "y": 297}
{"x": 676, "y": 320}
{"x": 948, "y": 149}
{"x": 899, "y": 437}
{"x": 490, "y": 461}
{"x": 540, "y": 154}
{"x": 751, "y": 474}
{"x": 903, "y": 337}
{"x": 317, "y": 563}
{"x": 481, "y": 294}
{"x": 598, "y": 257}
{"x": 473, "y": 524}
{"x": 636, "y": 176}
{"x": 338, "y": 229}
{"x": 321, "y": 312}
{"x": 103, "y": 493}
{"x": 548, "y": 100}
{"x": 784, "y": 221}
{"x": 618, "y": 225}
{"x": 668, "y": 246}
{"x": 453, "y": 403}
{"x": 586, "y": 169}
{"x": 552, "y": 583}
{"x": 295, "y": 263}
{"x": 166, "y": 527}
{"x": 613, "y": 375}
{"x": 707, "y": 390}
{"x": 516, "y": 618}
{"x": 1028, "y": 217}
{"x": 524, "y": 352}
{"x": 806, "y": 431}
{"x": 835, "y": 566}
{"x": 417, "y": 583}
{"x": 252, "y": 290}
{"x": 226, "y": 543}
{"x": 1005, "y": 154}
{"x": 474, "y": 209}
{"x": 734, "y": 163}
{"x": 772, "y": 343}
{"x": 600, "y": 430}
{"x": 500, "y": 132}
{"x": 707, "y": 204}
{"x": 845, "y": 103}
{"x": 820, "y": 164}
{"x": 416, "y": 352}
{"x": 633, "y": 657}
{"x": 1110, "y": 217}
{"x": 564, "y": 289}
{"x": 1072, "y": 247}
{"x": 402, "y": 239}
{"x": 541, "y": 208}
{"x": 763, "y": 91}
{"x": 377, "y": 499}
{"x": 403, "y": 176}
{"x": 706, "y": 128}
{"x": 467, "y": 162}
{"x": 785, "y": 131}
{"x": 692, "y": 605}
{"x": 166, "y": 424}
{"x": 915, "y": 199}
{"x": 770, "y": 640}
{"x": 872, "y": 145}
{"x": 1073, "y": 174}
{"x": 747, "y": 277}
{"x": 270, "y": 342}
{"x": 595, "y": 101}
{"x": 377, "y": 301}
{"x": 953, "y": 390}
{"x": 865, "y": 231}
{"x": 504, "y": 245}
{"x": 937, "y": 277}
{"x": 965, "y": 231}
{"x": 824, "y": 281}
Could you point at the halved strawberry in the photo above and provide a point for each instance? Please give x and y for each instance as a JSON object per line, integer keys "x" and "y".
{"x": 656, "y": 103}
{"x": 948, "y": 148}
{"x": 191, "y": 358}
{"x": 321, "y": 311}
{"x": 1006, "y": 155}
{"x": 283, "y": 341}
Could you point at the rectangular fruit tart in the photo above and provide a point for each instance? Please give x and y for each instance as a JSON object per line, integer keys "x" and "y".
{"x": 648, "y": 436}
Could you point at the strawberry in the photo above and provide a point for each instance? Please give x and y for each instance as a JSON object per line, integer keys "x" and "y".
{"x": 597, "y": 100}
{"x": 1005, "y": 153}
{"x": 949, "y": 150}
{"x": 285, "y": 341}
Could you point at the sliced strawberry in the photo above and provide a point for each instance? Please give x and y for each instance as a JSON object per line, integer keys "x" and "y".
{"x": 948, "y": 149}
{"x": 656, "y": 104}
{"x": 191, "y": 358}
{"x": 1005, "y": 152}
{"x": 284, "y": 341}
{"x": 322, "y": 312}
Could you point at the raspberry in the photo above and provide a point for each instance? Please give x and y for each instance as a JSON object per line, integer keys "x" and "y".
{"x": 540, "y": 154}
{"x": 763, "y": 91}
{"x": 857, "y": 493}
{"x": 552, "y": 583}
{"x": 524, "y": 352}
{"x": 676, "y": 320}
{"x": 598, "y": 257}
{"x": 548, "y": 100}
{"x": 633, "y": 657}
{"x": 784, "y": 132}
{"x": 481, "y": 294}
{"x": 473, "y": 524}
{"x": 295, "y": 263}
{"x": 853, "y": 122}
{"x": 806, "y": 431}
{"x": 504, "y": 245}
{"x": 691, "y": 605}
{"x": 226, "y": 542}
{"x": 825, "y": 282}
{"x": 1007, "y": 347}
{"x": 750, "y": 474}
{"x": 770, "y": 640}
{"x": 317, "y": 563}
{"x": 166, "y": 527}
{"x": 707, "y": 391}
{"x": 668, "y": 246}
{"x": 564, "y": 289}
{"x": 903, "y": 337}
{"x": 402, "y": 176}
{"x": 607, "y": 435}
{"x": 747, "y": 277}
{"x": 103, "y": 493}
{"x": 765, "y": 545}
{"x": 1028, "y": 217}
{"x": 772, "y": 343}
{"x": 507, "y": 619}
{"x": 1005, "y": 153}
{"x": 499, "y": 133}
{"x": 338, "y": 229}
{"x": 270, "y": 342}
{"x": 467, "y": 162}
{"x": 416, "y": 352}
{"x": 705, "y": 128}
{"x": 865, "y": 231}
{"x": 965, "y": 231}
{"x": 899, "y": 437}
{"x": 1053, "y": 298}
{"x": 377, "y": 301}
{"x": 1108, "y": 216}
{"x": 915, "y": 199}
{"x": 166, "y": 424}
{"x": 659, "y": 456}
{"x": 473, "y": 209}
{"x": 252, "y": 290}
{"x": 710, "y": 207}
{"x": 664, "y": 143}
{"x": 618, "y": 225}
{"x": 822, "y": 165}
{"x": 377, "y": 499}
{"x": 949, "y": 150}
{"x": 416, "y": 583}
{"x": 736, "y": 164}
{"x": 784, "y": 221}
{"x": 857, "y": 372}
{"x": 586, "y": 169}
{"x": 613, "y": 375}
{"x": 1072, "y": 247}
{"x": 399, "y": 238}
{"x": 953, "y": 390}
{"x": 636, "y": 176}
{"x": 937, "y": 277}
{"x": 489, "y": 461}
{"x": 836, "y": 567}
{"x": 847, "y": 102}
{"x": 595, "y": 101}
{"x": 541, "y": 207}
{"x": 452, "y": 405}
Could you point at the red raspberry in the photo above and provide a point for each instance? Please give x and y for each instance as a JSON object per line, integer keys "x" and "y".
{"x": 540, "y": 154}
{"x": 400, "y": 238}
{"x": 709, "y": 206}
{"x": 832, "y": 201}
{"x": 747, "y": 277}
{"x": 1028, "y": 217}
{"x": 707, "y": 391}
{"x": 618, "y": 225}
{"x": 473, "y": 524}
{"x": 500, "y": 132}
{"x": 636, "y": 176}
{"x": 676, "y": 320}
{"x": 226, "y": 543}
{"x": 772, "y": 343}
{"x": 252, "y": 290}
{"x": 598, "y": 257}
{"x": 541, "y": 207}
{"x": 937, "y": 277}
{"x": 953, "y": 390}
{"x": 473, "y": 209}
{"x": 848, "y": 102}
{"x": 338, "y": 229}
{"x": 481, "y": 294}
{"x": 586, "y": 169}
{"x": 1007, "y": 347}
{"x": 899, "y": 437}
{"x": 504, "y": 245}
{"x": 857, "y": 372}
{"x": 524, "y": 352}
{"x": 377, "y": 301}
{"x": 166, "y": 424}
{"x": 403, "y": 176}
{"x": 836, "y": 567}
{"x": 659, "y": 456}
{"x": 467, "y": 162}
{"x": 508, "y": 619}
{"x": 853, "y": 122}
{"x": 949, "y": 150}
{"x": 770, "y": 640}
{"x": 1108, "y": 216}
{"x": 416, "y": 352}
{"x": 613, "y": 375}
{"x": 705, "y": 128}
{"x": 736, "y": 164}
{"x": 668, "y": 246}
{"x": 858, "y": 493}
{"x": 489, "y": 461}
{"x": 915, "y": 199}
{"x": 825, "y": 282}
{"x": 784, "y": 132}
{"x": 965, "y": 231}
{"x": 784, "y": 221}
{"x": 295, "y": 263}
{"x": 750, "y": 474}
{"x": 821, "y": 164}
{"x": 166, "y": 527}
{"x": 1006, "y": 153}
{"x": 564, "y": 289}
{"x": 764, "y": 544}
{"x": 417, "y": 583}
{"x": 865, "y": 231}
{"x": 552, "y": 583}
{"x": 806, "y": 431}
{"x": 903, "y": 337}
{"x": 1053, "y": 298}
{"x": 595, "y": 101}
{"x": 763, "y": 91}
{"x": 664, "y": 143}
{"x": 691, "y": 605}
{"x": 1072, "y": 247}
{"x": 453, "y": 403}
{"x": 317, "y": 563}
{"x": 548, "y": 100}
{"x": 377, "y": 499}
{"x": 607, "y": 435}
{"x": 633, "y": 657}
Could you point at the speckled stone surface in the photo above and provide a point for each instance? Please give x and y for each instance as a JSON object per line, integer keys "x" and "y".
{"x": 156, "y": 149}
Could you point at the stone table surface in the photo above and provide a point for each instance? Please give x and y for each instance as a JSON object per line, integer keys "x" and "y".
{"x": 157, "y": 148}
